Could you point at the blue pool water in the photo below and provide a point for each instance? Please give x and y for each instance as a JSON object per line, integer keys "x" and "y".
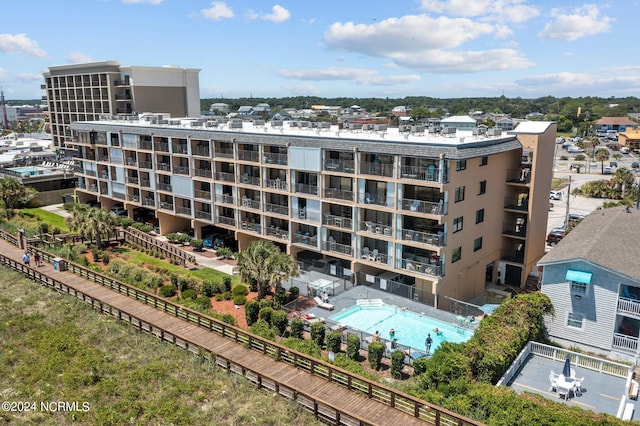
{"x": 411, "y": 329}
{"x": 31, "y": 171}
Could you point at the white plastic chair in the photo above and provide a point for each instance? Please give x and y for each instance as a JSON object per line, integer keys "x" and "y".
{"x": 577, "y": 386}
{"x": 374, "y": 255}
{"x": 553, "y": 383}
{"x": 365, "y": 252}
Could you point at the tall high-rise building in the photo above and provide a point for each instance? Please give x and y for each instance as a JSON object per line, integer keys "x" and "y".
{"x": 85, "y": 91}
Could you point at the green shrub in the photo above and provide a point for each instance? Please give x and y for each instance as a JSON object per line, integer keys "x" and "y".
{"x": 203, "y": 302}
{"x": 397, "y": 362}
{"x": 225, "y": 253}
{"x": 279, "y": 321}
{"x": 174, "y": 280}
{"x": 239, "y": 299}
{"x": 308, "y": 347}
{"x": 227, "y": 295}
{"x": 106, "y": 258}
{"x": 375, "y": 353}
{"x": 341, "y": 360}
{"x": 197, "y": 244}
{"x": 334, "y": 339}
{"x": 263, "y": 329}
{"x": 280, "y": 298}
{"x": 294, "y": 292}
{"x": 208, "y": 288}
{"x": 264, "y": 303}
{"x": 317, "y": 333}
{"x": 219, "y": 297}
{"x": 126, "y": 222}
{"x": 420, "y": 366}
{"x": 168, "y": 290}
{"x": 177, "y": 238}
{"x": 227, "y": 281}
{"x": 189, "y": 294}
{"x": 297, "y": 328}
{"x": 240, "y": 290}
{"x": 265, "y": 314}
{"x": 353, "y": 347}
{"x": 252, "y": 312}
{"x": 84, "y": 261}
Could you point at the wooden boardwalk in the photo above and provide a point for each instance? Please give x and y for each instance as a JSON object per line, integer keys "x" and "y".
{"x": 331, "y": 394}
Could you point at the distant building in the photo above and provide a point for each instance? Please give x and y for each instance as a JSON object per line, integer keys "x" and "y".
{"x": 460, "y": 122}
{"x": 86, "y": 91}
{"x": 245, "y": 110}
{"x": 630, "y": 138}
{"x": 614, "y": 124}
{"x": 505, "y": 124}
{"x": 219, "y": 107}
{"x": 536, "y": 116}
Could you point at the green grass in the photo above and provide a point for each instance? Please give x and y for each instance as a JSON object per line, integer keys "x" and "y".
{"x": 55, "y": 348}
{"x": 48, "y": 217}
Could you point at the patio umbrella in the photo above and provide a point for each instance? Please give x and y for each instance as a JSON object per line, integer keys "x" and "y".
{"x": 566, "y": 370}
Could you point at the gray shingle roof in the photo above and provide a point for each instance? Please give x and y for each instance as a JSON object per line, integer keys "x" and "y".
{"x": 609, "y": 238}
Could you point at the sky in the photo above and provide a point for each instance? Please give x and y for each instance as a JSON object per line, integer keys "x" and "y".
{"x": 331, "y": 48}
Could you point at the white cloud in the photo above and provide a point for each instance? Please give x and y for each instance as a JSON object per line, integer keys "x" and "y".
{"x": 79, "y": 57}
{"x": 218, "y": 10}
{"x": 3, "y": 74}
{"x": 15, "y": 44}
{"x": 29, "y": 77}
{"x": 154, "y": 2}
{"x": 582, "y": 22}
{"x": 512, "y": 11}
{"x": 443, "y": 61}
{"x": 368, "y": 77}
{"x": 278, "y": 14}
{"x": 302, "y": 89}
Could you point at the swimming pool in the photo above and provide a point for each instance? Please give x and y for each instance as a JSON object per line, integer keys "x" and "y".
{"x": 30, "y": 171}
{"x": 411, "y": 329}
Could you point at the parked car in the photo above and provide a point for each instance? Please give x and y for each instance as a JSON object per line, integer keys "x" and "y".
{"x": 613, "y": 164}
{"x": 624, "y": 150}
{"x": 555, "y": 195}
{"x": 555, "y": 235}
{"x": 574, "y": 149}
{"x": 635, "y": 165}
{"x": 607, "y": 171}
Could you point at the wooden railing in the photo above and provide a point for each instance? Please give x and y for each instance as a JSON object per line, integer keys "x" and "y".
{"x": 396, "y": 399}
{"x": 145, "y": 240}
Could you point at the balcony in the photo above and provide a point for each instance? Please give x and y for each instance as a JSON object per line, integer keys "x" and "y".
{"x": 146, "y": 165}
{"x": 229, "y": 221}
{"x": 376, "y": 169}
{"x": 145, "y": 145}
{"x": 522, "y": 176}
{"x": 226, "y": 177}
{"x": 377, "y": 199}
{"x": 134, "y": 198}
{"x": 225, "y": 199}
{"x": 146, "y": 183}
{"x": 280, "y": 159}
{"x": 338, "y": 221}
{"x": 162, "y": 146}
{"x": 343, "y": 166}
{"x": 202, "y": 151}
{"x": 200, "y": 214}
{"x": 180, "y": 149}
{"x": 164, "y": 205}
{"x": 104, "y": 158}
{"x": 249, "y": 180}
{"x": 335, "y": 247}
{"x": 249, "y": 203}
{"x": 123, "y": 97}
{"x": 338, "y": 194}
{"x": 307, "y": 189}
{"x": 164, "y": 187}
{"x": 251, "y": 227}
{"x": 181, "y": 170}
{"x": 204, "y": 173}
{"x": 91, "y": 173}
{"x": 514, "y": 229}
{"x": 165, "y": 167}
{"x": 281, "y": 234}
{"x": 423, "y": 237}
{"x": 186, "y": 211}
{"x": 305, "y": 239}
{"x": 629, "y": 306}
{"x": 245, "y": 155}
{"x": 374, "y": 256}
{"x": 277, "y": 209}
{"x": 132, "y": 180}
{"x": 278, "y": 184}
{"x": 428, "y": 174}
{"x": 423, "y": 268}
{"x": 514, "y": 256}
{"x": 224, "y": 152}
{"x": 625, "y": 343}
{"x": 418, "y": 206}
{"x": 376, "y": 228}
{"x": 519, "y": 203}
{"x": 132, "y": 162}
{"x": 204, "y": 195}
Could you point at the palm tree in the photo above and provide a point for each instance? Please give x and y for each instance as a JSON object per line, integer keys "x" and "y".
{"x": 91, "y": 223}
{"x": 15, "y": 194}
{"x": 602, "y": 155}
{"x": 622, "y": 180}
{"x": 265, "y": 265}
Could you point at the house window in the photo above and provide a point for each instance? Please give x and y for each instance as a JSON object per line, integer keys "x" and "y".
{"x": 456, "y": 254}
{"x": 477, "y": 244}
{"x": 480, "y": 216}
{"x": 575, "y": 320}
{"x": 459, "y": 194}
{"x": 457, "y": 224}
{"x": 461, "y": 165}
{"x": 484, "y": 160}
{"x": 483, "y": 187}
{"x": 578, "y": 288}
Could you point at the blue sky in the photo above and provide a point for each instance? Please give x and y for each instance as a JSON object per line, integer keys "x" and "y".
{"x": 331, "y": 48}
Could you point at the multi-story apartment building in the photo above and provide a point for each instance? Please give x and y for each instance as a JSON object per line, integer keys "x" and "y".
{"x": 443, "y": 214}
{"x": 84, "y": 92}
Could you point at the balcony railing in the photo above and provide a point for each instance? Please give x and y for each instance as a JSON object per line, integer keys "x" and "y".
{"x": 376, "y": 228}
{"x": 91, "y": 172}
{"x": 145, "y": 145}
{"x": 371, "y": 255}
{"x": 165, "y": 167}
{"x": 338, "y": 221}
{"x": 119, "y": 195}
{"x": 135, "y": 198}
{"x": 520, "y": 203}
{"x": 149, "y": 202}
{"x": 226, "y": 221}
{"x": 132, "y": 162}
{"x": 146, "y": 165}
{"x": 102, "y": 157}
{"x": 145, "y": 183}
{"x": 628, "y": 306}
{"x": 224, "y": 176}
{"x": 514, "y": 255}
{"x": 181, "y": 170}
{"x": 430, "y": 207}
{"x": 378, "y": 200}
{"x": 522, "y": 176}
{"x": 252, "y": 227}
{"x": 335, "y": 247}
{"x": 376, "y": 169}
{"x": 305, "y": 239}
{"x": 164, "y": 187}
{"x": 307, "y": 189}
{"x": 132, "y": 180}
{"x": 246, "y": 155}
{"x": 429, "y": 174}
{"x": 225, "y": 198}
{"x": 277, "y": 209}
{"x": 162, "y": 146}
{"x": 205, "y": 173}
{"x": 282, "y": 234}
{"x": 278, "y": 184}
{"x": 205, "y": 195}
{"x": 339, "y": 194}
{"x": 180, "y": 149}
{"x": 249, "y": 203}
{"x": 224, "y": 152}
{"x": 186, "y": 211}
{"x": 166, "y": 206}
{"x": 514, "y": 229}
{"x": 203, "y": 215}
{"x": 422, "y": 237}
{"x": 202, "y": 151}
{"x": 250, "y": 180}
{"x": 625, "y": 343}
{"x": 424, "y": 268}
{"x": 345, "y": 166}
{"x": 281, "y": 159}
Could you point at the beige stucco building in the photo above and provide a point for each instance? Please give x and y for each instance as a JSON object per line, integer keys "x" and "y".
{"x": 433, "y": 216}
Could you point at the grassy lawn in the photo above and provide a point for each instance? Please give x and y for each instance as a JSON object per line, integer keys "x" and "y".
{"x": 558, "y": 183}
{"x": 48, "y": 217}
{"x": 55, "y": 348}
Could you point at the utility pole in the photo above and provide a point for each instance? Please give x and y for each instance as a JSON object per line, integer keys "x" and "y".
{"x": 566, "y": 218}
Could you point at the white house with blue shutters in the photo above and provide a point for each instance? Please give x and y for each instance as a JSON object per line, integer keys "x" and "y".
{"x": 593, "y": 280}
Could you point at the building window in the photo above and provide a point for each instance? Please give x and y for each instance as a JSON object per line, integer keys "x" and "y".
{"x": 575, "y": 320}
{"x": 483, "y": 187}
{"x": 461, "y": 165}
{"x": 480, "y": 216}
{"x": 456, "y": 254}
{"x": 578, "y": 288}
{"x": 459, "y": 194}
{"x": 477, "y": 244}
{"x": 484, "y": 160}
{"x": 457, "y": 224}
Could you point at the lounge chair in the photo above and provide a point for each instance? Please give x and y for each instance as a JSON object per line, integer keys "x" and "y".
{"x": 323, "y": 305}
{"x": 563, "y": 392}
{"x": 553, "y": 385}
{"x": 374, "y": 255}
